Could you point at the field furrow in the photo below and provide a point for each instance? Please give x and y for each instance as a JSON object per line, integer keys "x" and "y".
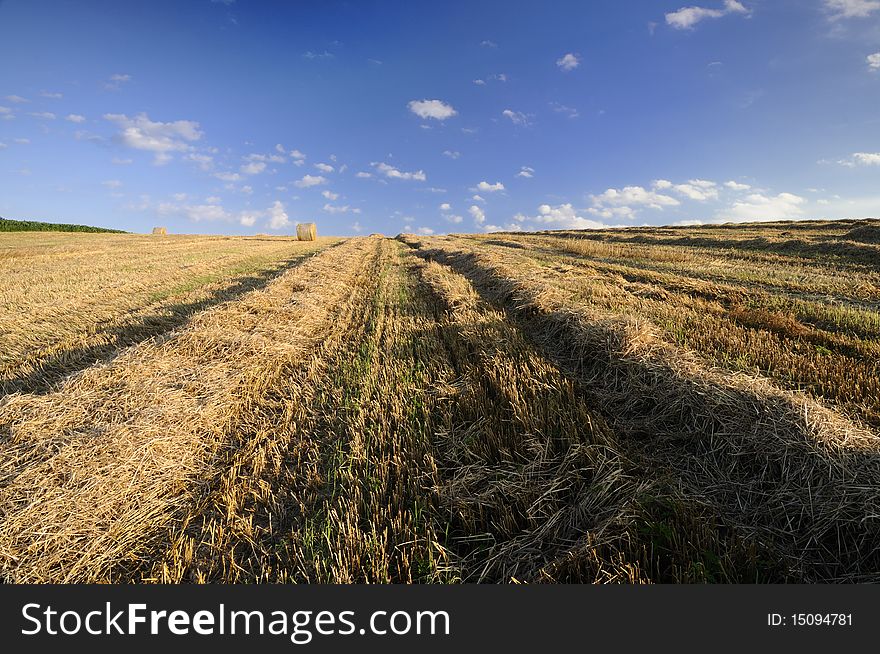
{"x": 759, "y": 455}
{"x": 92, "y": 473}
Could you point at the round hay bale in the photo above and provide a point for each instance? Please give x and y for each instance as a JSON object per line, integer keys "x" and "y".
{"x": 306, "y": 232}
{"x": 160, "y": 231}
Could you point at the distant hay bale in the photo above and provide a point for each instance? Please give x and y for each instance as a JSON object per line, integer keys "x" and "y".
{"x": 160, "y": 231}
{"x": 306, "y": 232}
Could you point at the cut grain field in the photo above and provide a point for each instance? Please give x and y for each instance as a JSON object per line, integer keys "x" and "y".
{"x": 645, "y": 405}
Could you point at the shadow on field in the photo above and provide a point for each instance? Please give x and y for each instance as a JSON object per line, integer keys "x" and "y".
{"x": 769, "y": 464}
{"x": 52, "y": 370}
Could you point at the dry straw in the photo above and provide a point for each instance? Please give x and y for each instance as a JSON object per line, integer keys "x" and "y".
{"x": 306, "y": 232}
{"x": 160, "y": 231}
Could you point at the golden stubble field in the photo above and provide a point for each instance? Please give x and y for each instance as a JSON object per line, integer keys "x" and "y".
{"x": 693, "y": 404}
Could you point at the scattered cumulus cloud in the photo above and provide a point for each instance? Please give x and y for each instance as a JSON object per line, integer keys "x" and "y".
{"x": 758, "y": 207}
{"x": 568, "y": 62}
{"x": 737, "y": 186}
{"x": 112, "y": 183}
{"x": 394, "y": 173}
{"x": 436, "y": 109}
{"x": 141, "y": 133}
{"x": 51, "y": 96}
{"x": 563, "y": 216}
{"x": 278, "y": 218}
{"x": 526, "y": 171}
{"x": 838, "y": 9}
{"x": 324, "y": 168}
{"x": 687, "y": 17}
{"x": 45, "y": 115}
{"x": 873, "y": 61}
{"x": 516, "y": 117}
{"x": 253, "y": 168}
{"x": 452, "y": 154}
{"x": 115, "y": 82}
{"x": 308, "y": 181}
{"x": 569, "y": 112}
{"x": 330, "y": 195}
{"x": 445, "y": 206}
{"x": 477, "y": 214}
{"x": 228, "y": 177}
{"x": 363, "y": 175}
{"x": 16, "y": 99}
{"x": 489, "y": 188}
{"x": 75, "y": 118}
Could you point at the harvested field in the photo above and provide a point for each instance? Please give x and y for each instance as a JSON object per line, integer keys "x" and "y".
{"x": 668, "y": 405}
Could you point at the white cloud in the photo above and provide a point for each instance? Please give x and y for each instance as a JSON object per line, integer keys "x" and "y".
{"x": 277, "y": 216}
{"x": 324, "y": 168}
{"x": 116, "y": 80}
{"x": 873, "y": 61}
{"x": 394, "y": 173}
{"x": 45, "y": 115}
{"x": 455, "y": 219}
{"x": 569, "y": 61}
{"x": 363, "y": 175}
{"x": 662, "y": 184}
{"x": 330, "y": 195}
{"x": 318, "y": 55}
{"x": 851, "y": 8}
{"x": 567, "y": 111}
{"x": 860, "y": 159}
{"x": 563, "y": 216}
{"x": 478, "y": 215}
{"x": 686, "y": 17}
{"x": 248, "y": 218}
{"x": 310, "y": 180}
{"x": 247, "y": 190}
{"x": 16, "y": 99}
{"x": 356, "y": 226}
{"x": 141, "y": 133}
{"x": 619, "y": 202}
{"x": 697, "y": 189}
{"x": 253, "y": 168}
{"x": 480, "y": 82}
{"x": 3, "y": 146}
{"x": 758, "y": 207}
{"x": 736, "y": 186}
{"x": 51, "y": 95}
{"x": 204, "y": 161}
{"x": 452, "y": 154}
{"x": 436, "y": 109}
{"x": 112, "y": 183}
{"x": 329, "y": 208}
{"x": 516, "y": 117}
{"x": 488, "y": 44}
{"x": 478, "y": 198}
{"x": 425, "y": 231}
{"x": 526, "y": 171}
{"x": 121, "y": 162}
{"x": 75, "y": 118}
{"x": 489, "y": 188}
{"x": 445, "y": 206}
{"x": 228, "y": 177}
{"x": 298, "y": 157}
{"x": 21, "y": 141}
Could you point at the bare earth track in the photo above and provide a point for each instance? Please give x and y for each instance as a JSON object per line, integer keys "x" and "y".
{"x": 639, "y": 405}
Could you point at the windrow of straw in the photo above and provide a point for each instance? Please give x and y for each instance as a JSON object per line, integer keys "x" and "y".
{"x": 73, "y": 299}
{"x": 784, "y": 470}
{"x": 93, "y": 474}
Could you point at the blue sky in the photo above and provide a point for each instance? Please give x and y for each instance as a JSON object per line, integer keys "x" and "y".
{"x": 244, "y": 116}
